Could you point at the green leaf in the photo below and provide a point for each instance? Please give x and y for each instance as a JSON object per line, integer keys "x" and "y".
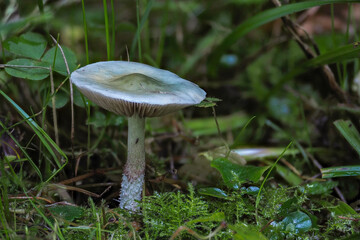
{"x": 288, "y": 175}
{"x": 320, "y": 188}
{"x": 252, "y": 190}
{"x": 350, "y": 133}
{"x": 97, "y": 120}
{"x": 342, "y": 171}
{"x": 60, "y": 66}
{"x": 29, "y": 44}
{"x": 67, "y": 212}
{"x": 61, "y": 99}
{"x": 213, "y": 99}
{"x": 31, "y": 71}
{"x": 233, "y": 174}
{"x": 115, "y": 120}
{"x": 9, "y": 158}
{"x": 287, "y": 207}
{"x": 10, "y": 27}
{"x": 342, "y": 209}
{"x": 296, "y": 222}
{"x": 213, "y": 192}
{"x": 208, "y": 102}
{"x": 246, "y": 232}
{"x": 28, "y": 70}
{"x": 79, "y": 100}
{"x": 207, "y": 126}
{"x": 215, "y": 217}
{"x": 259, "y": 20}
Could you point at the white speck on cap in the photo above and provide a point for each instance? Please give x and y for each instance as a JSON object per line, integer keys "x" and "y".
{"x": 128, "y": 88}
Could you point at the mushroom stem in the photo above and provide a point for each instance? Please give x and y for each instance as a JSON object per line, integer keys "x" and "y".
{"x": 133, "y": 177}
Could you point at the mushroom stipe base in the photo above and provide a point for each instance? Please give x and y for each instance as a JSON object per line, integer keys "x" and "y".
{"x": 131, "y": 192}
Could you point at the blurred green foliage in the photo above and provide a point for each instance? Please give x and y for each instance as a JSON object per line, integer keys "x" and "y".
{"x": 272, "y": 74}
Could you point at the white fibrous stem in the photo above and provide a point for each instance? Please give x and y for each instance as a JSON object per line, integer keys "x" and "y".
{"x": 133, "y": 177}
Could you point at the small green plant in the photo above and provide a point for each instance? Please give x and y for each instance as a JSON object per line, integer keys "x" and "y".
{"x": 166, "y": 212}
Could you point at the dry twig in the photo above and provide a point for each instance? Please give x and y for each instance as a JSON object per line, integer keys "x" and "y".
{"x": 56, "y": 130}
{"x": 71, "y": 95}
{"x": 292, "y": 28}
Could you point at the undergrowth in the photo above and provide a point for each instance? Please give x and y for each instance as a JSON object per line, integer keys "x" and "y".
{"x": 300, "y": 212}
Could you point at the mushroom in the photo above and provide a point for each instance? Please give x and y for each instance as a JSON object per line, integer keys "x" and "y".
{"x": 137, "y": 91}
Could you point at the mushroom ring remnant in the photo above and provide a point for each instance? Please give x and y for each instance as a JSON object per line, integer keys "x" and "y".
{"x": 137, "y": 91}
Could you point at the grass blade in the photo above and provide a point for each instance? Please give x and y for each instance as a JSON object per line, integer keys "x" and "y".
{"x": 85, "y": 32}
{"x": 107, "y": 30}
{"x": 268, "y": 174}
{"x": 341, "y": 53}
{"x": 139, "y": 28}
{"x": 162, "y": 35}
{"x": 44, "y": 138}
{"x": 259, "y": 20}
{"x": 237, "y": 140}
{"x": 37, "y": 170}
{"x": 349, "y": 132}
{"x": 41, "y": 6}
{"x": 3, "y": 214}
{"x": 343, "y": 171}
{"x": 87, "y": 62}
{"x": 112, "y": 30}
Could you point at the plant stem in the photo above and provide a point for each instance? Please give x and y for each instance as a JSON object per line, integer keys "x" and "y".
{"x": 138, "y": 29}
{"x": 41, "y": 6}
{"x": 106, "y": 18}
{"x": 133, "y": 177}
{"x": 112, "y": 30}
{"x": 85, "y": 32}
{"x": 87, "y": 62}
